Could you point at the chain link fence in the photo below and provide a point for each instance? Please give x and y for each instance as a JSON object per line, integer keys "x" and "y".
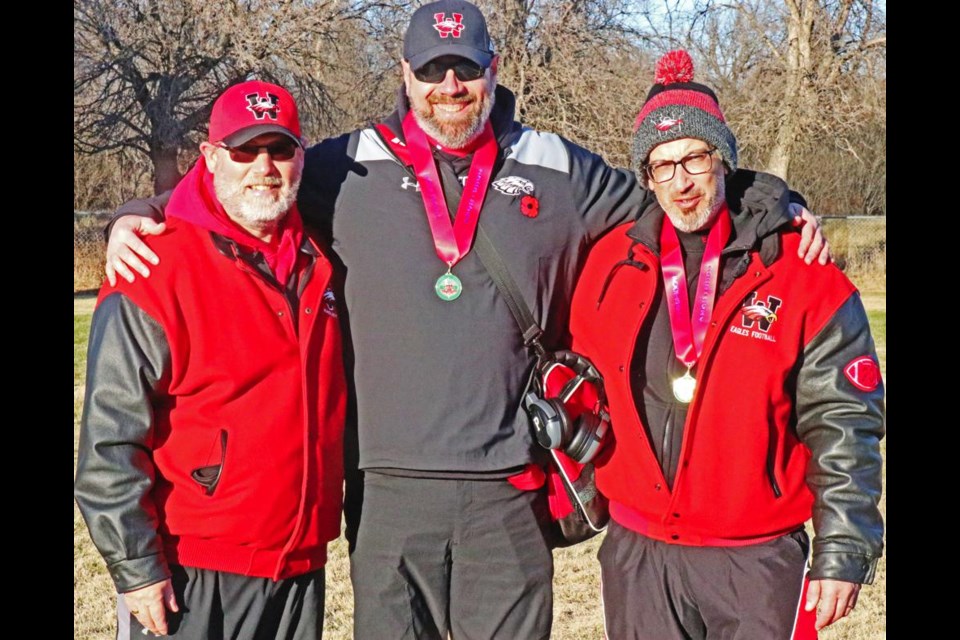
{"x": 858, "y": 244}
{"x": 859, "y": 247}
{"x": 88, "y": 249}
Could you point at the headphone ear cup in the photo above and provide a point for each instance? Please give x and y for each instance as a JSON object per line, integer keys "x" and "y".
{"x": 551, "y": 425}
{"x": 580, "y": 442}
{"x": 588, "y": 433}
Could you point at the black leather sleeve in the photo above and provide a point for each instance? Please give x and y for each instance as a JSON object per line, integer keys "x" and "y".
{"x": 127, "y": 358}
{"x": 842, "y": 425}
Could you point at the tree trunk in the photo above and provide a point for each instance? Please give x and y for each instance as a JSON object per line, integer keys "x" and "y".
{"x": 778, "y": 160}
{"x": 797, "y": 91}
{"x": 166, "y": 173}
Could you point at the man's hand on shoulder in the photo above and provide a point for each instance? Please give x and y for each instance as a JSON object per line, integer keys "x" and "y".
{"x": 813, "y": 244}
{"x": 126, "y": 252}
{"x": 833, "y": 599}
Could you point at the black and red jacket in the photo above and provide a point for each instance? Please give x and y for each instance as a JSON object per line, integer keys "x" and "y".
{"x": 212, "y": 433}
{"x": 788, "y": 412}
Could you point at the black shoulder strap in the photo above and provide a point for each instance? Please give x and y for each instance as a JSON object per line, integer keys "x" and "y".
{"x": 494, "y": 264}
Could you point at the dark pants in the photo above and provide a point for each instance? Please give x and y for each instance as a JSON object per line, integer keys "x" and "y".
{"x": 468, "y": 558}
{"x": 215, "y": 605}
{"x": 658, "y": 591}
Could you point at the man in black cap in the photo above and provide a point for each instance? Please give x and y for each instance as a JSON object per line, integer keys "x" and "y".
{"x": 453, "y": 538}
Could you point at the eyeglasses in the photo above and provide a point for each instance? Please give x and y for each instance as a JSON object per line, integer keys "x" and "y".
{"x": 436, "y": 70}
{"x": 699, "y": 162}
{"x": 247, "y": 153}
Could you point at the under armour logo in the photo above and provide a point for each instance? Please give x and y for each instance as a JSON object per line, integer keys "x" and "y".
{"x": 446, "y": 27}
{"x": 407, "y": 182}
{"x": 262, "y": 107}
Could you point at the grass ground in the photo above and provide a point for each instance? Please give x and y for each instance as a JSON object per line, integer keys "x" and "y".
{"x": 577, "y": 610}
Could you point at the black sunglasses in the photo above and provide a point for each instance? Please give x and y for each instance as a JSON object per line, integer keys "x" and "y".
{"x": 436, "y": 70}
{"x": 247, "y": 153}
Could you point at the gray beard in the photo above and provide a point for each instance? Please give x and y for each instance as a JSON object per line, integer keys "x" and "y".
{"x": 252, "y": 213}
{"x": 454, "y": 136}
{"x": 689, "y": 224}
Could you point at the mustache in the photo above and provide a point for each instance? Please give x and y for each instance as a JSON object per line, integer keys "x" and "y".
{"x": 267, "y": 181}
{"x": 450, "y": 99}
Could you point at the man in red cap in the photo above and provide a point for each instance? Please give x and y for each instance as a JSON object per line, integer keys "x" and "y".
{"x": 744, "y": 392}
{"x": 210, "y": 463}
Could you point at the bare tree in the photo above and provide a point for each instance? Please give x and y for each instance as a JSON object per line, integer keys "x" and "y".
{"x": 802, "y": 82}
{"x": 147, "y": 71}
{"x": 574, "y": 67}
{"x": 101, "y": 181}
{"x": 826, "y": 43}
{"x": 801, "y": 59}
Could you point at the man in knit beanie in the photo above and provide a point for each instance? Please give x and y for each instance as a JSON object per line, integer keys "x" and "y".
{"x": 745, "y": 397}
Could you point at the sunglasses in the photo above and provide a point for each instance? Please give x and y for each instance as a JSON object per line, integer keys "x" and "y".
{"x": 247, "y": 153}
{"x": 436, "y": 70}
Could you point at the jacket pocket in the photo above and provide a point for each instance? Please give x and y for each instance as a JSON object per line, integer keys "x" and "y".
{"x": 772, "y": 462}
{"x": 208, "y": 476}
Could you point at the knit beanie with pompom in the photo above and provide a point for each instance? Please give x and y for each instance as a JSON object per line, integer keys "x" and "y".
{"x": 677, "y": 107}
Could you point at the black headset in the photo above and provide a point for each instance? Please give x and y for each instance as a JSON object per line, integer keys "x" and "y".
{"x": 580, "y": 438}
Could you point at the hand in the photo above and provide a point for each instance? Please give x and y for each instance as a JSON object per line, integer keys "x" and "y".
{"x": 812, "y": 240}
{"x": 149, "y": 605}
{"x": 833, "y": 599}
{"x": 125, "y": 248}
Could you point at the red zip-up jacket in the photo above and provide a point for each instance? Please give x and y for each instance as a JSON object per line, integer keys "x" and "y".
{"x": 777, "y": 431}
{"x": 213, "y": 424}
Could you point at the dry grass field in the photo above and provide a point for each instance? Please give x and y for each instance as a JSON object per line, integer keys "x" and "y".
{"x": 577, "y": 609}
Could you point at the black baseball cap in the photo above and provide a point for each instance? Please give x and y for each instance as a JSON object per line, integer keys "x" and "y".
{"x": 447, "y": 28}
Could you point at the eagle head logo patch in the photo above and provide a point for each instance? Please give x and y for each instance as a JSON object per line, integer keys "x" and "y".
{"x": 448, "y": 26}
{"x": 513, "y": 186}
{"x": 666, "y": 124}
{"x": 262, "y": 107}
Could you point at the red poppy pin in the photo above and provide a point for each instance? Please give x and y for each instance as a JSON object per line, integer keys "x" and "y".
{"x": 529, "y": 206}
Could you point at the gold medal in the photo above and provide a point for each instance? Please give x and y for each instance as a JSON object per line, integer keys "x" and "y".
{"x": 683, "y": 387}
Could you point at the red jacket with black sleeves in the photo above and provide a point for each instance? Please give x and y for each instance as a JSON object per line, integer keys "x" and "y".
{"x": 213, "y": 422}
{"x": 787, "y": 415}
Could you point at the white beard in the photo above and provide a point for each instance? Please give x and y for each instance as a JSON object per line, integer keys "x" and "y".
{"x": 253, "y": 211}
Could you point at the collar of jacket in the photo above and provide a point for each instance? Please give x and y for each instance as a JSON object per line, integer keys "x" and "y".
{"x": 501, "y": 117}
{"x": 234, "y": 250}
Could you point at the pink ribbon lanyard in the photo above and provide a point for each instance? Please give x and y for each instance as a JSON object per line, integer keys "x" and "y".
{"x": 689, "y": 330}
{"x": 451, "y": 240}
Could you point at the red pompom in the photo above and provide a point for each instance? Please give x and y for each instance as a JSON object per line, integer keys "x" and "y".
{"x": 674, "y": 66}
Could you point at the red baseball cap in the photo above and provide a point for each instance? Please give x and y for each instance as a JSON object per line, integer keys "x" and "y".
{"x": 249, "y": 109}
